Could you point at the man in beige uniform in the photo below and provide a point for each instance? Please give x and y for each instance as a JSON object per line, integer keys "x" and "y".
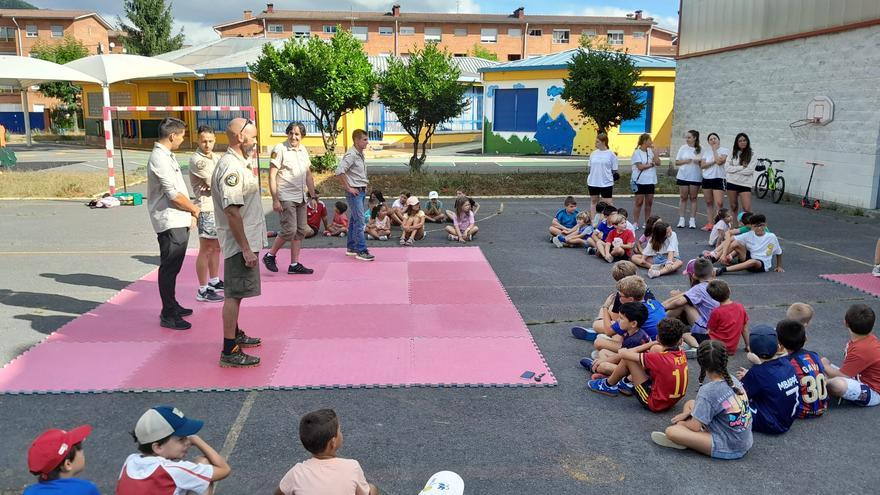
{"x": 241, "y": 230}
{"x": 201, "y": 168}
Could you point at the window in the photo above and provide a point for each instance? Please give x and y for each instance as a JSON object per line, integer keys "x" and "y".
{"x": 7, "y": 33}
{"x": 275, "y": 28}
{"x": 359, "y": 32}
{"x": 516, "y": 110}
{"x": 460, "y": 31}
{"x": 588, "y": 32}
{"x": 386, "y": 31}
{"x": 642, "y": 123}
{"x": 471, "y": 117}
{"x": 407, "y": 30}
{"x": 285, "y": 111}
{"x": 432, "y": 34}
{"x": 329, "y": 29}
{"x": 615, "y": 37}
{"x": 513, "y": 56}
{"x": 514, "y": 32}
{"x": 96, "y": 104}
{"x": 31, "y": 31}
{"x": 561, "y": 36}
{"x": 221, "y": 92}
{"x": 159, "y": 99}
{"x": 460, "y": 55}
{"x": 536, "y": 32}
{"x": 638, "y": 35}
{"x": 57, "y": 31}
{"x": 488, "y": 35}
{"x": 302, "y": 30}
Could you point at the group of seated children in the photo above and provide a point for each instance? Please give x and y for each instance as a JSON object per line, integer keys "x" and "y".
{"x": 641, "y": 348}
{"x": 408, "y": 213}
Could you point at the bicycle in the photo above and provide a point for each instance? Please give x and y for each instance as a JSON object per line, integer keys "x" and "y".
{"x": 770, "y": 179}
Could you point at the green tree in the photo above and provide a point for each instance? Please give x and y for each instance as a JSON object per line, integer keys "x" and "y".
{"x": 150, "y": 30}
{"x": 600, "y": 85}
{"x": 423, "y": 92}
{"x": 63, "y": 51}
{"x": 326, "y": 80}
{"x": 15, "y": 4}
{"x": 480, "y": 51}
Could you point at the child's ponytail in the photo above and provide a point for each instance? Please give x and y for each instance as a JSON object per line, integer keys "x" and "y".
{"x": 712, "y": 357}
{"x": 722, "y": 213}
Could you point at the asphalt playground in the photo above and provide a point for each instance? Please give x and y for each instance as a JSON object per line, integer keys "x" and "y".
{"x": 60, "y": 259}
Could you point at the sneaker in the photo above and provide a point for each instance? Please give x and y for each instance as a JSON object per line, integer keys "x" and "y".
{"x": 218, "y": 287}
{"x": 181, "y": 311}
{"x": 558, "y": 242}
{"x": 238, "y": 359}
{"x": 174, "y": 323}
{"x": 272, "y": 234}
{"x": 720, "y": 270}
{"x": 208, "y": 295}
{"x": 692, "y": 224}
{"x": 349, "y": 252}
{"x": 365, "y": 256}
{"x": 552, "y": 237}
{"x": 662, "y": 440}
{"x": 299, "y": 269}
{"x": 582, "y": 333}
{"x": 636, "y": 227}
{"x": 707, "y": 227}
{"x": 327, "y": 233}
{"x": 709, "y": 255}
{"x": 689, "y": 352}
{"x": 455, "y": 238}
{"x": 342, "y": 234}
{"x": 587, "y": 363}
{"x": 242, "y": 339}
{"x": 601, "y": 386}
{"x": 269, "y": 261}
{"x": 876, "y": 271}
{"x": 402, "y": 241}
{"x": 591, "y": 251}
{"x": 370, "y": 237}
{"x": 383, "y": 237}
{"x": 653, "y": 273}
{"x": 680, "y": 224}
{"x": 409, "y": 242}
{"x": 625, "y": 387}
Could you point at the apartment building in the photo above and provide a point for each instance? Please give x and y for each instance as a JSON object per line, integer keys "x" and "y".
{"x": 510, "y": 37}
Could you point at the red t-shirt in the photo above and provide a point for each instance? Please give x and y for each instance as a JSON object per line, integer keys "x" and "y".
{"x": 726, "y": 323}
{"x": 669, "y": 378}
{"x": 627, "y": 236}
{"x": 862, "y": 361}
{"x": 315, "y": 215}
{"x": 341, "y": 219}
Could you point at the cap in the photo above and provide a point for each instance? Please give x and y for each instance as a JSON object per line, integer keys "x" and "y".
{"x": 762, "y": 341}
{"x": 50, "y": 448}
{"x": 689, "y": 268}
{"x": 445, "y": 483}
{"x": 412, "y": 201}
{"x": 433, "y": 195}
{"x": 163, "y": 421}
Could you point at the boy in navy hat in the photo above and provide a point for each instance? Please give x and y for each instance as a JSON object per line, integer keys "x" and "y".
{"x": 163, "y": 435}
{"x": 772, "y": 386}
{"x": 56, "y": 457}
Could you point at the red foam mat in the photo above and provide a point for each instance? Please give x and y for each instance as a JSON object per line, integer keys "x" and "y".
{"x": 413, "y": 317}
{"x": 864, "y": 282}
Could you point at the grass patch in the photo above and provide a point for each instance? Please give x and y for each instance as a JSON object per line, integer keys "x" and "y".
{"x": 48, "y": 184}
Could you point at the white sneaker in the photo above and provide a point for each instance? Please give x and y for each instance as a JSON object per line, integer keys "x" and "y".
{"x": 653, "y": 273}
{"x": 680, "y": 223}
{"x": 662, "y": 440}
{"x": 876, "y": 271}
{"x": 452, "y": 237}
{"x": 594, "y": 354}
{"x": 557, "y": 242}
{"x": 692, "y": 224}
{"x": 370, "y": 237}
{"x": 383, "y": 237}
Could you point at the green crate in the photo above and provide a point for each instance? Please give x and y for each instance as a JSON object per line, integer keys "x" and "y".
{"x": 130, "y": 199}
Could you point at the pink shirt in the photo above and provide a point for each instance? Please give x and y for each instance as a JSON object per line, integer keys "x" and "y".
{"x": 333, "y": 476}
{"x": 464, "y": 221}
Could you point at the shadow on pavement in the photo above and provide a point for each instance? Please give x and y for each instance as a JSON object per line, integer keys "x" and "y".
{"x": 50, "y": 302}
{"x": 88, "y": 279}
{"x": 147, "y": 260}
{"x": 46, "y": 324}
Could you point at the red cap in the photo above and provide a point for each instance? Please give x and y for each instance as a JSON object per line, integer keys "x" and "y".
{"x": 52, "y": 446}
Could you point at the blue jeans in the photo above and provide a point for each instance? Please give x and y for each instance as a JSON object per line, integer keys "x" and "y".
{"x": 356, "y": 240}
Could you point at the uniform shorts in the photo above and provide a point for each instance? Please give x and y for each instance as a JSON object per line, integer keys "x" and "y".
{"x": 206, "y": 225}
{"x": 643, "y": 392}
{"x": 713, "y": 184}
{"x": 737, "y": 188}
{"x": 240, "y": 281}
{"x": 604, "y": 192}
{"x": 645, "y": 188}
{"x": 293, "y": 220}
{"x": 688, "y": 182}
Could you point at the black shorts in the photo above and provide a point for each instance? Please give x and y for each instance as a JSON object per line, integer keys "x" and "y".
{"x": 688, "y": 183}
{"x": 604, "y": 192}
{"x": 642, "y": 392}
{"x": 620, "y": 258}
{"x": 713, "y": 184}
{"x": 755, "y": 269}
{"x": 645, "y": 188}
{"x": 700, "y": 337}
{"x": 738, "y": 188}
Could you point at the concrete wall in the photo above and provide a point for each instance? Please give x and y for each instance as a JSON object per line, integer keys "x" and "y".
{"x": 761, "y": 90}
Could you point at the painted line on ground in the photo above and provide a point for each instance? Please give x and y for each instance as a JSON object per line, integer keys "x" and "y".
{"x": 238, "y": 425}
{"x": 100, "y": 253}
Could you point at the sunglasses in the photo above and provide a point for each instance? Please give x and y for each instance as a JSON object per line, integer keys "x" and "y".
{"x": 246, "y": 123}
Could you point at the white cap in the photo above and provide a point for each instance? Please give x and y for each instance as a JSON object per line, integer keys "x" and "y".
{"x": 433, "y": 195}
{"x": 444, "y": 483}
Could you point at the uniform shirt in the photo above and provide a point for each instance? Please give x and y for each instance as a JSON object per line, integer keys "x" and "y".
{"x": 773, "y": 395}
{"x": 810, "y": 373}
{"x": 738, "y": 173}
{"x": 647, "y": 176}
{"x": 63, "y": 486}
{"x": 703, "y": 303}
{"x": 690, "y": 172}
{"x": 726, "y": 324}
{"x": 603, "y": 164}
{"x": 354, "y": 168}
{"x": 201, "y": 168}
{"x": 154, "y": 475}
{"x": 332, "y": 476}
{"x": 668, "y": 371}
{"x": 315, "y": 215}
{"x": 862, "y": 361}
{"x": 566, "y": 219}
{"x": 293, "y": 166}
{"x": 714, "y": 171}
{"x": 761, "y": 247}
{"x": 164, "y": 183}
{"x": 234, "y": 184}
{"x": 726, "y": 415}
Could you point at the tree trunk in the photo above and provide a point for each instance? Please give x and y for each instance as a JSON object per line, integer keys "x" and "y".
{"x": 415, "y": 165}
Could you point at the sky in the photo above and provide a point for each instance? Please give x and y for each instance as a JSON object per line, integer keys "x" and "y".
{"x": 196, "y": 21}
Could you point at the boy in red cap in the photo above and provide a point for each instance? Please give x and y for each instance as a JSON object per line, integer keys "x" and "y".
{"x": 56, "y": 457}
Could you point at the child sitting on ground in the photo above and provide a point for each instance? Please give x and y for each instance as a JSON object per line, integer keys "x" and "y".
{"x": 413, "y": 222}
{"x": 602, "y": 229}
{"x": 56, "y": 458}
{"x": 434, "y": 209}
{"x": 630, "y": 334}
{"x": 772, "y": 386}
{"x": 645, "y": 238}
{"x": 475, "y": 207}
{"x": 858, "y": 379}
{"x": 756, "y": 247}
{"x": 625, "y": 214}
{"x": 463, "y": 227}
{"x": 380, "y": 223}
{"x": 808, "y": 369}
{"x": 630, "y": 288}
{"x": 619, "y": 270}
{"x": 163, "y": 435}
{"x": 694, "y": 306}
{"x": 580, "y": 234}
{"x": 565, "y": 219}
{"x": 398, "y": 207}
{"x": 324, "y": 473}
{"x": 799, "y": 312}
{"x": 339, "y": 226}
{"x": 658, "y": 373}
{"x": 316, "y": 214}
{"x": 619, "y": 243}
{"x": 600, "y": 212}
{"x": 729, "y": 320}
{"x": 719, "y": 422}
{"x": 660, "y": 255}
{"x": 719, "y": 230}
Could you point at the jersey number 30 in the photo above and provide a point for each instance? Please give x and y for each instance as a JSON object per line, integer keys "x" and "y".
{"x": 815, "y": 388}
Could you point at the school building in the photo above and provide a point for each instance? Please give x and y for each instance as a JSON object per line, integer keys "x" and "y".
{"x": 227, "y": 81}
{"x": 525, "y": 113}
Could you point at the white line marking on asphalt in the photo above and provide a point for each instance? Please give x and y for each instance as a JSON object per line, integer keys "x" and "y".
{"x": 238, "y": 425}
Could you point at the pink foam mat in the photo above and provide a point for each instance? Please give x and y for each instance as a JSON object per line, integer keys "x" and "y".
{"x": 864, "y": 282}
{"x": 414, "y": 317}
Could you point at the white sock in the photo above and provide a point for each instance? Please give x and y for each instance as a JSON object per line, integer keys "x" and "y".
{"x": 270, "y": 255}
{"x": 203, "y": 288}
{"x": 214, "y": 280}
{"x": 293, "y": 265}
{"x": 681, "y": 219}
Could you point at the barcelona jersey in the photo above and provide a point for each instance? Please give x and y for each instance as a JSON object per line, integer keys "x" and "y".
{"x": 812, "y": 380}
{"x": 668, "y": 371}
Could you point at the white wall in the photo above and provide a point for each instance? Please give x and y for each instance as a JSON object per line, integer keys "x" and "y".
{"x": 761, "y": 90}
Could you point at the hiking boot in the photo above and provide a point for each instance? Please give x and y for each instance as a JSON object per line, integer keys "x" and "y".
{"x": 174, "y": 323}
{"x": 365, "y": 256}
{"x": 218, "y": 287}
{"x": 299, "y": 269}
{"x": 238, "y": 359}
{"x": 208, "y": 295}
{"x": 244, "y": 340}
{"x": 269, "y": 261}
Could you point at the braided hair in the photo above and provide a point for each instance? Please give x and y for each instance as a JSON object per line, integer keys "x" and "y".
{"x": 712, "y": 357}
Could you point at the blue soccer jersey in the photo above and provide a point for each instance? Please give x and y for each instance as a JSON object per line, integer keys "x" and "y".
{"x": 772, "y": 388}
{"x": 812, "y": 380}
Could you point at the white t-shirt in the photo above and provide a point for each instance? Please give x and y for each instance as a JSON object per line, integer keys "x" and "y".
{"x": 761, "y": 247}
{"x": 647, "y": 176}
{"x": 670, "y": 244}
{"x": 160, "y": 476}
{"x": 715, "y": 171}
{"x": 690, "y": 171}
{"x": 602, "y": 165}
{"x": 718, "y": 230}
{"x": 333, "y": 476}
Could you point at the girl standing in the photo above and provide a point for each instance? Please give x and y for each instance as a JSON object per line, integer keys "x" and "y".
{"x": 463, "y": 227}
{"x": 660, "y": 255}
{"x": 603, "y": 167}
{"x": 740, "y": 170}
{"x": 413, "y": 222}
{"x": 689, "y": 177}
{"x": 713, "y": 177}
{"x": 644, "y": 172}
